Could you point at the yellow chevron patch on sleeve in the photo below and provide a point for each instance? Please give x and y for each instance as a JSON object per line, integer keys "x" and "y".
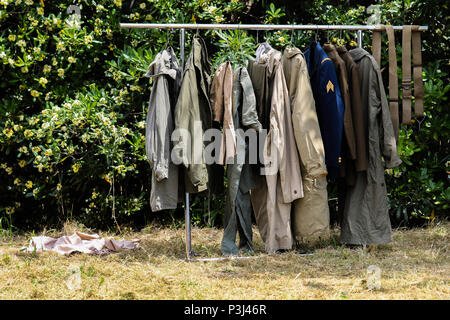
{"x": 330, "y": 86}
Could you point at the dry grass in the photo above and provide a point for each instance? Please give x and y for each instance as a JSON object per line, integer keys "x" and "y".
{"x": 414, "y": 266}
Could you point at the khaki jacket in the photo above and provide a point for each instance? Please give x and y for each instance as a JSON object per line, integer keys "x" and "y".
{"x": 274, "y": 192}
{"x": 166, "y": 74}
{"x": 311, "y": 213}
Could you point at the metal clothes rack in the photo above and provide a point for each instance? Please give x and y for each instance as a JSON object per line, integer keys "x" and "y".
{"x": 183, "y": 26}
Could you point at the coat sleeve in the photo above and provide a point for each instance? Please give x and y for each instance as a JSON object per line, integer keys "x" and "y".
{"x": 216, "y": 94}
{"x": 358, "y": 121}
{"x": 306, "y": 125}
{"x": 158, "y": 128}
{"x": 150, "y": 132}
{"x": 387, "y": 136}
{"x": 249, "y": 114}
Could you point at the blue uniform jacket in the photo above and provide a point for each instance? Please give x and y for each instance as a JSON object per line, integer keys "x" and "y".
{"x": 329, "y": 104}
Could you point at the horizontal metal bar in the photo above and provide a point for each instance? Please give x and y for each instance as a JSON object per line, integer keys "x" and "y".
{"x": 253, "y": 26}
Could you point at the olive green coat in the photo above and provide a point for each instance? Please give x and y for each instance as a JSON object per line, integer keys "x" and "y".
{"x": 193, "y": 116}
{"x": 366, "y": 214}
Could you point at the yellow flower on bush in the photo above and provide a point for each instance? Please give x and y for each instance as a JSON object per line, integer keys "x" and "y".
{"x": 76, "y": 167}
{"x": 9, "y": 170}
{"x": 8, "y": 132}
{"x": 88, "y": 39}
{"x": 118, "y": 3}
{"x": 47, "y": 68}
{"x": 22, "y": 163}
{"x": 71, "y": 59}
{"x": 17, "y": 181}
{"x": 29, "y": 184}
{"x": 48, "y": 152}
{"x": 35, "y": 93}
{"x": 59, "y": 186}
{"x": 12, "y": 37}
{"x": 9, "y": 210}
{"x": 40, "y": 11}
{"x": 36, "y": 149}
{"x": 142, "y": 6}
{"x": 43, "y": 81}
{"x": 61, "y": 73}
{"x": 23, "y": 149}
{"x": 60, "y": 46}
{"x": 28, "y": 133}
{"x": 35, "y": 191}
{"x": 21, "y": 43}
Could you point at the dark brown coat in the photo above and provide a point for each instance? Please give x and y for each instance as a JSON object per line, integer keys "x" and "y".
{"x": 360, "y": 163}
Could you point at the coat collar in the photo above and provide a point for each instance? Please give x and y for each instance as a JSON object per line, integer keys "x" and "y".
{"x": 165, "y": 63}
{"x": 314, "y": 56}
{"x": 341, "y": 50}
{"x": 331, "y": 51}
{"x": 265, "y": 54}
{"x": 358, "y": 53}
{"x": 291, "y": 52}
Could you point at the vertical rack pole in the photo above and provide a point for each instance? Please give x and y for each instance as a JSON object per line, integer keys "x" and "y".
{"x": 359, "y": 37}
{"x": 187, "y": 217}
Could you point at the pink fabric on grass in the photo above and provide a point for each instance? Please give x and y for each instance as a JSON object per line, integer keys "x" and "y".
{"x": 80, "y": 242}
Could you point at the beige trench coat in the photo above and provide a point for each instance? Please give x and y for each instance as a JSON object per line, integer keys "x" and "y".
{"x": 272, "y": 198}
{"x": 311, "y": 213}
